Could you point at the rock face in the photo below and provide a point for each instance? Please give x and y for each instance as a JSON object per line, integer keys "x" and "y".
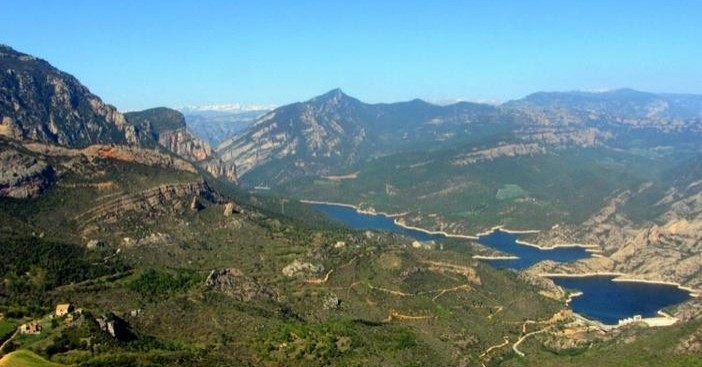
{"x": 39, "y": 102}
{"x": 160, "y": 198}
{"x": 333, "y": 131}
{"x": 234, "y": 283}
{"x": 168, "y": 128}
{"x": 506, "y": 150}
{"x": 195, "y": 204}
{"x": 229, "y": 209}
{"x": 115, "y": 326}
{"x": 317, "y": 129}
{"x": 21, "y": 175}
{"x": 299, "y": 268}
{"x": 134, "y": 154}
{"x": 666, "y": 248}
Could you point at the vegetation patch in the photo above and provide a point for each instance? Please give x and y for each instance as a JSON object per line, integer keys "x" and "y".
{"x": 511, "y": 191}
{"x": 154, "y": 284}
{"x": 26, "y": 358}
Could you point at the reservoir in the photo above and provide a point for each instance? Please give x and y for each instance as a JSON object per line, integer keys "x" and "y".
{"x": 498, "y": 240}
{"x": 353, "y": 219}
{"x": 603, "y": 299}
{"x": 609, "y": 301}
{"x": 528, "y": 255}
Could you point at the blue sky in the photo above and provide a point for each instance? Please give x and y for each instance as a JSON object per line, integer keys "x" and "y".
{"x": 140, "y": 54}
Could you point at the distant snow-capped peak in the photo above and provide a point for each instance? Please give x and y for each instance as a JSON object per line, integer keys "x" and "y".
{"x": 228, "y": 107}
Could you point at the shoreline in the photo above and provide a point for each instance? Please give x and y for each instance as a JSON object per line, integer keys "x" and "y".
{"x": 573, "y": 295}
{"x": 354, "y": 207}
{"x": 691, "y": 291}
{"x": 593, "y": 250}
{"x": 589, "y": 248}
{"x": 581, "y": 275}
{"x": 622, "y": 277}
{"x": 511, "y": 231}
{"x": 557, "y": 246}
{"x": 441, "y": 233}
{"x": 663, "y": 319}
{"x": 484, "y": 257}
{"x": 598, "y": 324}
{"x": 392, "y": 216}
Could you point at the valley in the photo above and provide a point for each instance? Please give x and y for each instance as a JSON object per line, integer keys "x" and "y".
{"x": 128, "y": 240}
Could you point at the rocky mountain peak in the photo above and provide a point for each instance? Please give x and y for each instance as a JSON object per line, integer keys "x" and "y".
{"x": 333, "y": 99}
{"x": 334, "y": 94}
{"x": 41, "y": 103}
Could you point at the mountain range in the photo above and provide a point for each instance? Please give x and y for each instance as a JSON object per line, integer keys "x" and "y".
{"x": 127, "y": 240}
{"x": 335, "y": 132}
{"x": 603, "y": 168}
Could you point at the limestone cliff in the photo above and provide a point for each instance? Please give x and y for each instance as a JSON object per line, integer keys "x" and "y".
{"x": 42, "y": 103}
{"x": 168, "y": 128}
{"x": 159, "y": 198}
{"x": 666, "y": 248}
{"x": 22, "y": 175}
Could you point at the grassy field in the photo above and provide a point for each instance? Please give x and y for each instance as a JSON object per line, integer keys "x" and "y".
{"x": 25, "y": 358}
{"x": 6, "y": 327}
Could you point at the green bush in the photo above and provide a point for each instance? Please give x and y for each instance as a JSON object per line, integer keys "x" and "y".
{"x": 155, "y": 284}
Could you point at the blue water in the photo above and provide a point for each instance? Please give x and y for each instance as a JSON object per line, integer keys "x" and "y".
{"x": 499, "y": 240}
{"x": 602, "y": 299}
{"x": 353, "y": 219}
{"x": 608, "y": 301}
{"x": 528, "y": 255}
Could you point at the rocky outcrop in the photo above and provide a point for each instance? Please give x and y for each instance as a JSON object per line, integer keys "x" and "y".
{"x": 331, "y": 302}
{"x": 168, "y": 128}
{"x": 565, "y": 137}
{"x": 115, "y": 326}
{"x": 234, "y": 283}
{"x": 196, "y": 205}
{"x": 133, "y": 154}
{"x": 505, "y": 150}
{"x": 161, "y": 198}
{"x": 218, "y": 168}
{"x": 42, "y": 103}
{"x": 298, "y": 268}
{"x": 537, "y": 140}
{"x": 21, "y": 175}
{"x": 229, "y": 209}
{"x": 666, "y": 249}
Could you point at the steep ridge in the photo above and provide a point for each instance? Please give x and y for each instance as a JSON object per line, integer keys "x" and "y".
{"x": 39, "y": 102}
{"x": 46, "y": 111}
{"x": 168, "y": 128}
{"x": 334, "y": 131}
{"x": 313, "y": 135}
{"x": 627, "y": 107}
